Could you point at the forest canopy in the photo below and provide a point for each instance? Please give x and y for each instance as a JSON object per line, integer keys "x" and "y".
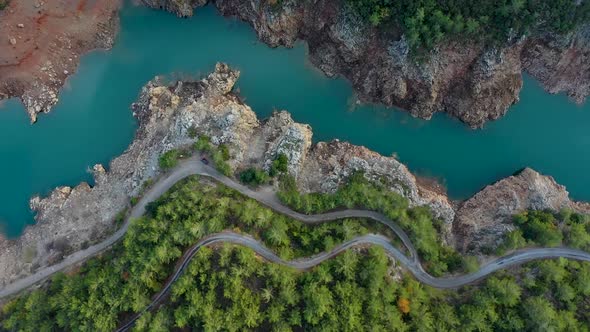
{"x": 427, "y": 22}
{"x": 230, "y": 288}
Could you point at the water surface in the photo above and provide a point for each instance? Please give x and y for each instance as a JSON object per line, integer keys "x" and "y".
{"x": 93, "y": 123}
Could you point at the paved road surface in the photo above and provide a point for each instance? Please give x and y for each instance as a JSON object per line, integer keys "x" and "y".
{"x": 413, "y": 266}
{"x": 194, "y": 166}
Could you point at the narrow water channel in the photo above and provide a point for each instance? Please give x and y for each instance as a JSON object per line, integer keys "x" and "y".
{"x": 93, "y": 123}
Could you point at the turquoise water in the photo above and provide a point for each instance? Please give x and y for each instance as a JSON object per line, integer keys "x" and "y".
{"x": 92, "y": 122}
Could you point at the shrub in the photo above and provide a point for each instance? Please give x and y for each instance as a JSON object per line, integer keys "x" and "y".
{"x": 512, "y": 240}
{"x": 120, "y": 217}
{"x": 547, "y": 228}
{"x": 253, "y": 176}
{"x": 279, "y": 165}
{"x": 192, "y": 132}
{"x": 470, "y": 264}
{"x": 169, "y": 159}
{"x": 203, "y": 144}
{"x": 220, "y": 163}
{"x": 539, "y": 227}
{"x": 223, "y": 149}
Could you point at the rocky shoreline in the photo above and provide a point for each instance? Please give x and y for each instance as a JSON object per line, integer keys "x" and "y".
{"x": 474, "y": 83}
{"x": 71, "y": 218}
{"x": 42, "y": 42}
{"x": 467, "y": 80}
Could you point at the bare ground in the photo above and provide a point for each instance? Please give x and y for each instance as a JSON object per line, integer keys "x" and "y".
{"x": 41, "y": 42}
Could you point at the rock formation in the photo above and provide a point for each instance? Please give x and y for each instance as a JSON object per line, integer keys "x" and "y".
{"x": 465, "y": 79}
{"x": 483, "y": 219}
{"x": 47, "y": 39}
{"x": 71, "y": 218}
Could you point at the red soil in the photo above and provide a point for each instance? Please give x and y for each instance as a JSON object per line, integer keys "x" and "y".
{"x": 52, "y": 36}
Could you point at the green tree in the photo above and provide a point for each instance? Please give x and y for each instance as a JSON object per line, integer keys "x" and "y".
{"x": 169, "y": 159}
{"x": 279, "y": 165}
{"x": 577, "y": 236}
{"x": 539, "y": 314}
{"x": 203, "y": 143}
{"x": 504, "y": 291}
{"x": 318, "y": 302}
{"x": 253, "y": 176}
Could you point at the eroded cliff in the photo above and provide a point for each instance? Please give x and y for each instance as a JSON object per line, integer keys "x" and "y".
{"x": 71, "y": 218}
{"x": 483, "y": 219}
{"x": 465, "y": 79}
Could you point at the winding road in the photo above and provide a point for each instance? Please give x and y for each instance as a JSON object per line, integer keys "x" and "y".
{"x": 193, "y": 166}
{"x": 413, "y": 266}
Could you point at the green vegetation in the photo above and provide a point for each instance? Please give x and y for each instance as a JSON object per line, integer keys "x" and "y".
{"x": 350, "y": 293}
{"x": 427, "y": 22}
{"x": 470, "y": 264}
{"x": 203, "y": 144}
{"x": 120, "y": 217}
{"x": 254, "y": 176}
{"x": 548, "y": 229}
{"x": 548, "y": 295}
{"x": 4, "y": 4}
{"x": 124, "y": 279}
{"x": 418, "y": 222}
{"x": 279, "y": 165}
{"x": 192, "y": 132}
{"x": 220, "y": 155}
{"x": 230, "y": 288}
{"x": 169, "y": 159}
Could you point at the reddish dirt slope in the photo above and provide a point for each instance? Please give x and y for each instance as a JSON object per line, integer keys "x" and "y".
{"x": 41, "y": 41}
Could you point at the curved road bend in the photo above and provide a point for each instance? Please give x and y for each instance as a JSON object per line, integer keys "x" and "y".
{"x": 516, "y": 258}
{"x": 194, "y": 166}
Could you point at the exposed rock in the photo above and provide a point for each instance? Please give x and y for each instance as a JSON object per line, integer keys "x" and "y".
{"x": 464, "y": 79}
{"x": 328, "y": 166}
{"x": 483, "y": 219}
{"x": 182, "y": 8}
{"x": 561, "y": 63}
{"x": 70, "y": 218}
{"x": 45, "y": 41}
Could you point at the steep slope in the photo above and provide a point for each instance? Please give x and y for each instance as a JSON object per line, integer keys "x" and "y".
{"x": 463, "y": 78}
{"x": 72, "y": 218}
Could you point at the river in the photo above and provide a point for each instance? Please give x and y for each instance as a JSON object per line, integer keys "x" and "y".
{"x": 93, "y": 123}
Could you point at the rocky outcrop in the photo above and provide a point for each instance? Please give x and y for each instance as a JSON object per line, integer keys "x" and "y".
{"x": 71, "y": 218}
{"x": 49, "y": 37}
{"x": 482, "y": 220}
{"x": 329, "y": 165}
{"x": 465, "y": 79}
{"x": 182, "y": 8}
{"x": 561, "y": 63}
